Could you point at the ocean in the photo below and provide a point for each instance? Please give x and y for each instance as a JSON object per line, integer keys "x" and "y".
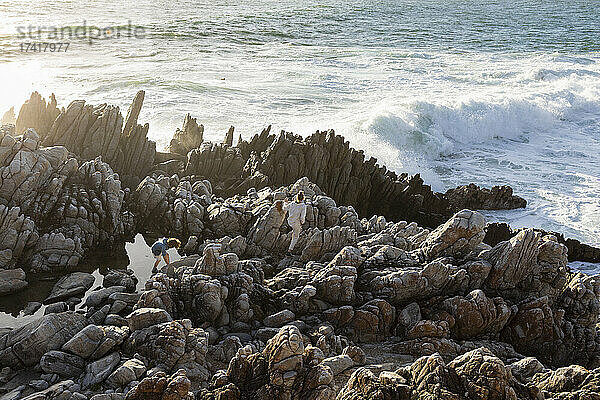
{"x": 490, "y": 92}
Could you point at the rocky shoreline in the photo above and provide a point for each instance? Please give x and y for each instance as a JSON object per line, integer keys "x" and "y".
{"x": 394, "y": 291}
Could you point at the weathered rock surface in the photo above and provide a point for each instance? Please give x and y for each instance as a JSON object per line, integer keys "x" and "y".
{"x": 24, "y": 347}
{"x": 161, "y": 386}
{"x": 189, "y": 137}
{"x": 282, "y": 370}
{"x": 61, "y": 363}
{"x": 95, "y": 341}
{"x": 92, "y": 131}
{"x": 72, "y": 285}
{"x": 37, "y": 114}
{"x": 12, "y": 280}
{"x": 145, "y": 317}
{"x": 460, "y": 235}
{"x": 475, "y": 198}
{"x": 430, "y": 313}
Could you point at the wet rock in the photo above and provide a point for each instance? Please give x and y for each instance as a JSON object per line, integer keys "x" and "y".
{"x": 329, "y": 161}
{"x": 127, "y": 279}
{"x": 97, "y": 297}
{"x": 56, "y": 308}
{"x": 72, "y": 285}
{"x": 475, "y": 198}
{"x": 31, "y": 308}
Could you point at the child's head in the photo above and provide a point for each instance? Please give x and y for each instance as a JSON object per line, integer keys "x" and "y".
{"x": 172, "y": 242}
{"x": 300, "y": 196}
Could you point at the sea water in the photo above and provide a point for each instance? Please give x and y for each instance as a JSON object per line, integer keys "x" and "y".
{"x": 491, "y": 92}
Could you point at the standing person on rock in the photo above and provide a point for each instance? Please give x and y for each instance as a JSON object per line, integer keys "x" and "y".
{"x": 159, "y": 249}
{"x": 296, "y": 216}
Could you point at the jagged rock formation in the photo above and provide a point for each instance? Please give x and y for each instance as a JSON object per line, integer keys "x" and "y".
{"x": 189, "y": 137}
{"x": 474, "y": 375}
{"x": 463, "y": 316}
{"x": 91, "y": 131}
{"x": 52, "y": 208}
{"x": 284, "y": 369}
{"x": 476, "y": 198}
{"x": 9, "y": 117}
{"x": 36, "y": 114}
{"x": 430, "y": 313}
{"x": 329, "y": 161}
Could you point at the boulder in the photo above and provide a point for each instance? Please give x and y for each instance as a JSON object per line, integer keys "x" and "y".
{"x": 25, "y": 346}
{"x": 460, "y": 235}
{"x": 72, "y": 285}
{"x": 116, "y": 277}
{"x": 11, "y": 281}
{"x": 130, "y": 370}
{"x": 63, "y": 364}
{"x": 95, "y": 341}
{"x": 161, "y": 386}
{"x": 99, "y": 370}
{"x": 476, "y": 315}
{"x": 145, "y": 317}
